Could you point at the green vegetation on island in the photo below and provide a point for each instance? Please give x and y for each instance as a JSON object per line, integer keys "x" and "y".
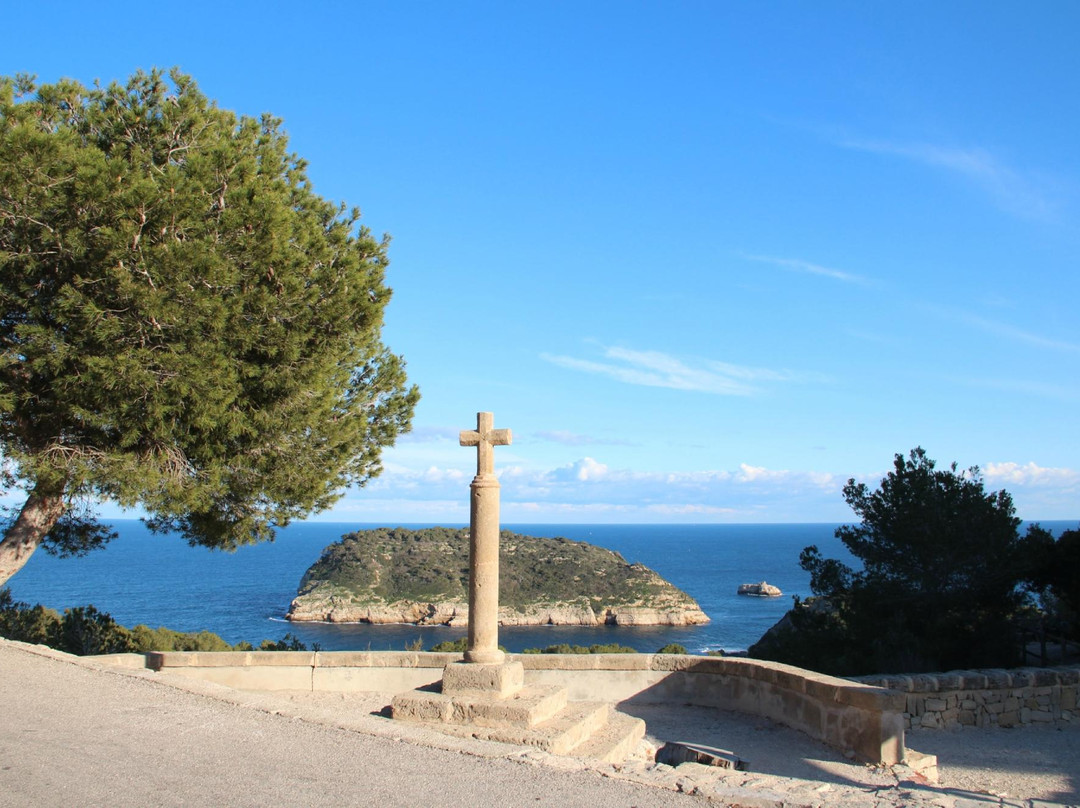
{"x": 363, "y": 576}
{"x": 461, "y": 644}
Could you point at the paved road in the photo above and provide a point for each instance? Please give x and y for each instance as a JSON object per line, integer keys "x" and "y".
{"x": 77, "y": 733}
{"x": 74, "y": 736}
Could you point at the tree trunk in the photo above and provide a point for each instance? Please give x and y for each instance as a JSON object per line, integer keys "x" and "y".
{"x": 37, "y": 517}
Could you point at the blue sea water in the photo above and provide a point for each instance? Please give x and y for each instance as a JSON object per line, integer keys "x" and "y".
{"x": 161, "y": 581}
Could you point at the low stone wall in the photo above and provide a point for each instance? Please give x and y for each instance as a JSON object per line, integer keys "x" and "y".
{"x": 857, "y": 718}
{"x": 986, "y": 698}
{"x": 324, "y": 671}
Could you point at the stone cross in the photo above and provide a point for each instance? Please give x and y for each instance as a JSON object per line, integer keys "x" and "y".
{"x": 484, "y": 542}
{"x": 485, "y": 438}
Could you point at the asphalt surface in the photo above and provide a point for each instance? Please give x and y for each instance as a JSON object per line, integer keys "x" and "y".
{"x": 76, "y": 732}
{"x": 78, "y": 736}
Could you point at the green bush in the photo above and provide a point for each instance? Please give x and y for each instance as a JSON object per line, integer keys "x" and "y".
{"x": 563, "y": 648}
{"x": 163, "y": 639}
{"x": 287, "y": 643}
{"x": 460, "y": 645}
{"x": 672, "y": 648}
{"x": 85, "y": 631}
{"x": 24, "y": 623}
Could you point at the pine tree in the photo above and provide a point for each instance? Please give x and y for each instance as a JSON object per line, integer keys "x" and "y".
{"x": 185, "y": 325}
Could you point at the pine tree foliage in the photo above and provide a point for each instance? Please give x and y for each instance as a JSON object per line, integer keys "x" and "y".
{"x": 942, "y": 576}
{"x": 184, "y": 324}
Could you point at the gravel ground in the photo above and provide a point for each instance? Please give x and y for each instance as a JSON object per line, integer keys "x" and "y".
{"x": 74, "y": 732}
{"x": 1040, "y": 762}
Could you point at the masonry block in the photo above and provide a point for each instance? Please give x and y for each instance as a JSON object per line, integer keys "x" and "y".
{"x": 471, "y": 677}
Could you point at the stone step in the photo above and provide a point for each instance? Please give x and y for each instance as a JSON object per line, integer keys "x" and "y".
{"x": 615, "y": 741}
{"x": 528, "y": 707}
{"x": 572, "y": 726}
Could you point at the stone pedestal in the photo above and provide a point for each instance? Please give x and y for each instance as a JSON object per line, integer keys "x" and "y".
{"x": 497, "y": 681}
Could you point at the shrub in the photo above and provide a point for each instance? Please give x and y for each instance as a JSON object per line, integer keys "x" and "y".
{"x": 460, "y": 645}
{"x": 24, "y": 623}
{"x": 672, "y": 648}
{"x": 86, "y": 631}
{"x": 563, "y": 648}
{"x": 287, "y": 643}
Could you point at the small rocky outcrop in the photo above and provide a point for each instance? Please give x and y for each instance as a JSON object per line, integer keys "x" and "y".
{"x": 761, "y": 590}
{"x": 422, "y": 576}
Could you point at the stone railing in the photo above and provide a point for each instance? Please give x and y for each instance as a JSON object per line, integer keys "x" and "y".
{"x": 858, "y": 718}
{"x": 986, "y": 698}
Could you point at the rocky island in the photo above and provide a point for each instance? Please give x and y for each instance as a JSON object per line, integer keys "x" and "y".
{"x": 396, "y": 575}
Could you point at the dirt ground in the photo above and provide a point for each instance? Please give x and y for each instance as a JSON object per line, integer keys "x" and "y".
{"x": 74, "y": 732}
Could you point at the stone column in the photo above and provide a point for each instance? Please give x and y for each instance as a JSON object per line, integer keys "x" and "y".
{"x": 484, "y": 542}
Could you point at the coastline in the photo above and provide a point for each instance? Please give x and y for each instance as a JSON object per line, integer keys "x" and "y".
{"x": 335, "y": 610}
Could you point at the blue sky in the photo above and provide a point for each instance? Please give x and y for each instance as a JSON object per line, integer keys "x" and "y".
{"x": 707, "y": 260}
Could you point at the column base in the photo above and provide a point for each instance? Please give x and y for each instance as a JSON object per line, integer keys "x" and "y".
{"x": 487, "y": 657}
{"x": 499, "y": 680}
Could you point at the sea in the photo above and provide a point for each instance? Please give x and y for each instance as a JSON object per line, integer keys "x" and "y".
{"x": 159, "y": 580}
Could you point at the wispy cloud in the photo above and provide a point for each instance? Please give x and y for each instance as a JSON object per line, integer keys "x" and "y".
{"x": 1027, "y": 387}
{"x": 589, "y": 489}
{"x": 429, "y": 434}
{"x": 1018, "y": 334}
{"x": 572, "y": 439}
{"x": 656, "y": 369}
{"x": 1002, "y": 329}
{"x": 806, "y": 267}
{"x": 1017, "y": 192}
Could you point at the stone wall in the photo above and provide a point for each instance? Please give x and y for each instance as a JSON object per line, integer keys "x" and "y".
{"x": 860, "y": 719}
{"x": 986, "y": 698}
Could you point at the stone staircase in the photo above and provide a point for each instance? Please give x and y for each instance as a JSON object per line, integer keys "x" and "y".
{"x": 509, "y": 711}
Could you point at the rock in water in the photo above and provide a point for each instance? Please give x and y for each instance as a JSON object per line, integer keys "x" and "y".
{"x": 761, "y": 589}
{"x": 395, "y": 575}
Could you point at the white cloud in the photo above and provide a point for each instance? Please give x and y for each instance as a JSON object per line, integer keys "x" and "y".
{"x": 591, "y": 489}
{"x": 691, "y": 510}
{"x": 750, "y": 474}
{"x": 657, "y": 369}
{"x": 798, "y": 265}
{"x": 1012, "y": 332}
{"x": 1030, "y": 474}
{"x": 397, "y": 510}
{"x": 571, "y": 439}
{"x": 429, "y": 434}
{"x": 1038, "y": 492}
{"x": 1025, "y": 387}
{"x": 587, "y": 469}
{"x": 437, "y": 475}
{"x": 1017, "y": 192}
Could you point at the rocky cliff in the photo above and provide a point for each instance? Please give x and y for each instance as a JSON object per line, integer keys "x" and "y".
{"x": 422, "y": 576}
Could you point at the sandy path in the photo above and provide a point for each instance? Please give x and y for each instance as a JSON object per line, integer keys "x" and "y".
{"x": 75, "y": 733}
